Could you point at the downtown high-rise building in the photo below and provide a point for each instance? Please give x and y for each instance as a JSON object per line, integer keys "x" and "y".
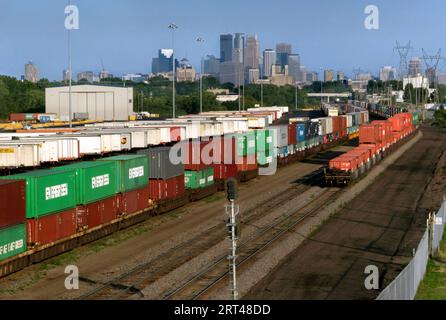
{"x": 328, "y": 75}
{"x": 239, "y": 46}
{"x": 164, "y": 62}
{"x": 294, "y": 67}
{"x": 31, "y": 72}
{"x": 414, "y": 66}
{"x": 66, "y": 75}
{"x": 269, "y": 59}
{"x": 211, "y": 66}
{"x": 226, "y": 46}
{"x": 340, "y": 76}
{"x": 283, "y": 50}
{"x": 387, "y": 73}
{"x": 252, "y": 52}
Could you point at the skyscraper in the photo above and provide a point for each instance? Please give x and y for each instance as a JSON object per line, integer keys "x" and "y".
{"x": 387, "y": 73}
{"x": 239, "y": 46}
{"x": 328, "y": 75}
{"x": 231, "y": 72}
{"x": 211, "y": 66}
{"x": 283, "y": 51}
{"x": 294, "y": 67}
{"x": 269, "y": 59}
{"x": 226, "y": 47}
{"x": 31, "y": 72}
{"x": 66, "y": 75}
{"x": 164, "y": 61}
{"x": 251, "y": 52}
{"x": 340, "y": 76}
{"x": 414, "y": 66}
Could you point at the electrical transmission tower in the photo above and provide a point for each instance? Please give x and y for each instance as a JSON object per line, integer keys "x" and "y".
{"x": 403, "y": 51}
{"x": 431, "y": 62}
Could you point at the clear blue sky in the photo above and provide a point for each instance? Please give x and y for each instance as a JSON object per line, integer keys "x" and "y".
{"x": 126, "y": 34}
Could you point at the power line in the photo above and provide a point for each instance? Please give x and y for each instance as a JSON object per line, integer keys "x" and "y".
{"x": 403, "y": 51}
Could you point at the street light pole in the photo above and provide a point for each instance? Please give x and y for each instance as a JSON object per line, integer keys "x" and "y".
{"x": 201, "y": 40}
{"x": 173, "y": 26}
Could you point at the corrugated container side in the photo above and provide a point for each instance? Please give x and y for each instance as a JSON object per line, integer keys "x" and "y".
{"x": 12, "y": 241}
{"x": 160, "y": 163}
{"x": 134, "y": 201}
{"x": 12, "y": 203}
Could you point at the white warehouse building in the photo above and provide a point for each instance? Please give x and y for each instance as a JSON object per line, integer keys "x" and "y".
{"x": 97, "y": 102}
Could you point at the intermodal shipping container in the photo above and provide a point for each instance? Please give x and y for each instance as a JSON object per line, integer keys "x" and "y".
{"x": 245, "y": 143}
{"x": 47, "y": 191}
{"x": 12, "y": 203}
{"x": 281, "y": 134}
{"x": 292, "y": 134}
{"x": 195, "y": 154}
{"x": 225, "y": 171}
{"x": 132, "y": 171}
{"x": 166, "y": 189}
{"x": 265, "y": 157}
{"x": 265, "y": 139}
{"x": 50, "y": 228}
{"x": 94, "y": 180}
{"x": 301, "y": 132}
{"x": 347, "y": 163}
{"x": 134, "y": 201}
{"x": 12, "y": 241}
{"x": 161, "y": 162}
{"x": 97, "y": 213}
{"x": 369, "y": 133}
{"x": 195, "y": 179}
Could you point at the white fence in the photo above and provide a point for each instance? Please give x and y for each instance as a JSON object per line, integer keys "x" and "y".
{"x": 405, "y": 285}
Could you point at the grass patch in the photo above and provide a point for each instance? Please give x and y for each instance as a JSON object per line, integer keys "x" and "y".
{"x": 433, "y": 286}
{"x": 214, "y": 198}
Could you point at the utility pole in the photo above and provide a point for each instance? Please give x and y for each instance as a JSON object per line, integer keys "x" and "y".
{"x": 173, "y": 27}
{"x": 232, "y": 210}
{"x": 201, "y": 40}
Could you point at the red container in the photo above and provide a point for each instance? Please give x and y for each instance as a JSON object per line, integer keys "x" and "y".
{"x": 97, "y": 213}
{"x": 292, "y": 133}
{"x": 369, "y": 133}
{"x": 370, "y": 147}
{"x": 248, "y": 163}
{"x": 18, "y": 117}
{"x": 134, "y": 201}
{"x": 47, "y": 229}
{"x": 223, "y": 150}
{"x": 345, "y": 163}
{"x": 397, "y": 123}
{"x": 166, "y": 189}
{"x": 225, "y": 171}
{"x": 196, "y": 156}
{"x": 12, "y": 202}
{"x": 362, "y": 154}
{"x": 386, "y": 127}
{"x": 175, "y": 134}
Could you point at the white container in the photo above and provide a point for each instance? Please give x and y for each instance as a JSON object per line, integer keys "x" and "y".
{"x": 139, "y": 139}
{"x": 281, "y": 134}
{"x": 88, "y": 144}
{"x": 67, "y": 148}
{"x": 153, "y": 136}
{"x": 19, "y": 154}
{"x": 258, "y": 122}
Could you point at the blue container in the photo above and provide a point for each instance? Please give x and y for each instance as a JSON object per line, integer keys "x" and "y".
{"x": 300, "y": 132}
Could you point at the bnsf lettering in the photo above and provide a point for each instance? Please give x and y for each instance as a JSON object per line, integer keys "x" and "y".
{"x": 100, "y": 181}
{"x": 136, "y": 172}
{"x": 55, "y": 192}
{"x": 16, "y": 245}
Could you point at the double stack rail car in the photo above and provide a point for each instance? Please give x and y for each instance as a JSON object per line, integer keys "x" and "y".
{"x": 81, "y": 201}
{"x": 377, "y": 140}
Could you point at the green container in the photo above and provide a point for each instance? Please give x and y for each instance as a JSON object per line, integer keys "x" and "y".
{"x": 246, "y": 143}
{"x": 131, "y": 171}
{"x": 415, "y": 118}
{"x": 195, "y": 179}
{"x": 265, "y": 157}
{"x": 209, "y": 176}
{"x": 94, "y": 180}
{"x": 12, "y": 241}
{"x": 264, "y": 139}
{"x": 47, "y": 191}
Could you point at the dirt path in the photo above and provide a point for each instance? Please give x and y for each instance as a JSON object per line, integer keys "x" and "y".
{"x": 379, "y": 227}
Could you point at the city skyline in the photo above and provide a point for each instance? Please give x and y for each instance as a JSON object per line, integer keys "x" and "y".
{"x": 132, "y": 32}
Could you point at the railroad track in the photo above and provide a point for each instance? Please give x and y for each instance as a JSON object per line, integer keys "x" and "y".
{"x": 212, "y": 275}
{"x": 132, "y": 281}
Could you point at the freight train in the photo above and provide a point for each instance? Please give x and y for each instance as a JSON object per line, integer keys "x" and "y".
{"x": 376, "y": 140}
{"x": 46, "y": 212}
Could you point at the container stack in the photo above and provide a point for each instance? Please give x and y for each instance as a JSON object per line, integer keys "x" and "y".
{"x": 96, "y": 186}
{"x": 12, "y": 218}
{"x": 50, "y": 205}
{"x": 132, "y": 182}
{"x": 166, "y": 176}
{"x": 265, "y": 144}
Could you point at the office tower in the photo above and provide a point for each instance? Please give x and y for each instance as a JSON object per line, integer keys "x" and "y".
{"x": 269, "y": 59}
{"x": 312, "y": 76}
{"x": 340, "y": 76}
{"x": 231, "y": 72}
{"x": 252, "y": 52}
{"x": 253, "y": 75}
{"x": 294, "y": 66}
{"x": 211, "y": 66}
{"x": 387, "y": 73}
{"x": 414, "y": 66}
{"x": 226, "y": 47}
{"x": 239, "y": 46}
{"x": 104, "y": 74}
{"x": 66, "y": 75}
{"x": 283, "y": 50}
{"x": 164, "y": 62}
{"x": 86, "y": 76}
{"x": 31, "y": 72}
{"x": 328, "y": 75}
{"x": 303, "y": 74}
